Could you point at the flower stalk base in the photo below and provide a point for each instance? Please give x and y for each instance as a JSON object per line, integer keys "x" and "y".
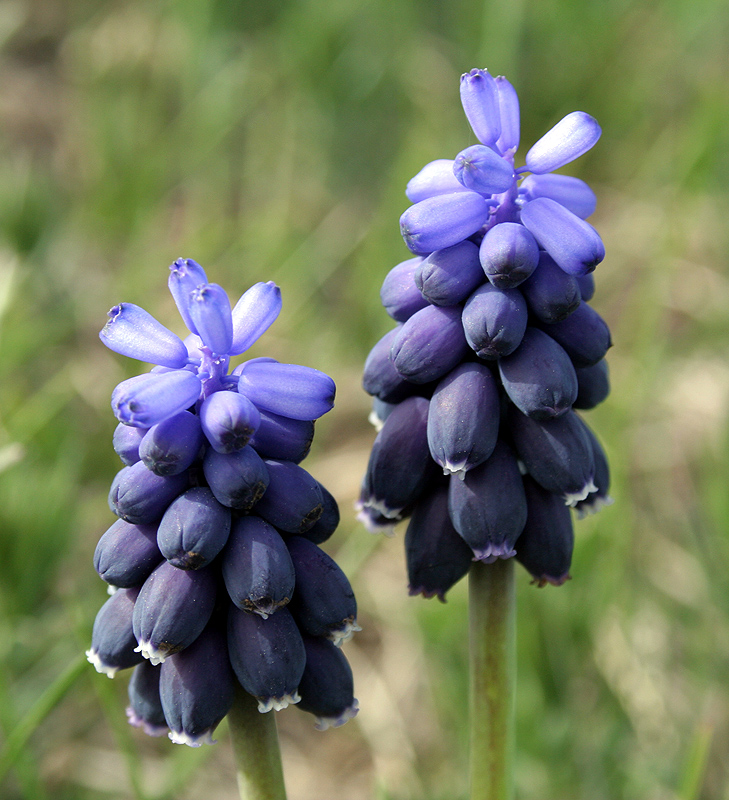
{"x": 492, "y": 624}
{"x": 256, "y": 750}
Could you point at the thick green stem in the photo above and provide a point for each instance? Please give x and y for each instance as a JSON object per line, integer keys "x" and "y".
{"x": 257, "y": 754}
{"x": 492, "y": 623}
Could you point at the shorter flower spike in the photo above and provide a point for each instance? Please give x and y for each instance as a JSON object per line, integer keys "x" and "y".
{"x": 126, "y": 554}
{"x": 194, "y": 529}
{"x": 287, "y": 389}
{"x": 437, "y": 557}
{"x": 238, "y": 480}
{"x": 570, "y": 138}
{"x": 327, "y": 687}
{"x": 482, "y": 170}
{"x": 196, "y": 688}
{"x": 480, "y": 100}
{"x": 185, "y": 276}
{"x": 399, "y": 294}
{"x": 257, "y": 567}
{"x": 143, "y": 403}
{"x": 447, "y": 277}
{"x": 228, "y": 421}
{"x": 170, "y": 446}
{"x": 133, "y": 332}
{"x": 551, "y": 294}
{"x": 145, "y": 707}
{"x": 141, "y": 497}
{"x": 210, "y": 312}
{"x": 494, "y": 321}
{"x": 112, "y": 639}
{"x": 508, "y": 254}
{"x": 434, "y": 178}
{"x": 572, "y": 193}
{"x": 443, "y": 220}
{"x": 574, "y": 244}
{"x": 267, "y": 655}
{"x": 173, "y": 608}
{"x": 253, "y": 315}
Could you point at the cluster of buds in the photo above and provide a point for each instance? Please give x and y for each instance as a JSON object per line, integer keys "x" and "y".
{"x": 214, "y": 565}
{"x": 495, "y": 347}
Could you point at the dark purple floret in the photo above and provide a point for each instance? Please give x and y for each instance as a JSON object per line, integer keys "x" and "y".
{"x": 600, "y": 497}
{"x": 584, "y": 335}
{"x": 593, "y": 385}
{"x": 545, "y": 545}
{"x": 126, "y": 443}
{"x": 145, "y": 706}
{"x": 494, "y": 321}
{"x": 429, "y": 344}
{"x": 380, "y": 378}
{"x": 327, "y": 523}
{"x": 587, "y": 285}
{"x": 487, "y": 507}
{"x": 112, "y": 640}
{"x": 173, "y": 608}
{"x": 508, "y": 254}
{"x": 141, "y": 497}
{"x": 170, "y": 446}
{"x": 196, "y": 688}
{"x": 194, "y": 529}
{"x": 551, "y": 294}
{"x": 323, "y": 603}
{"x": 126, "y": 554}
{"x": 447, "y": 277}
{"x": 437, "y": 557}
{"x": 463, "y": 418}
{"x": 327, "y": 687}
{"x": 267, "y": 655}
{"x": 539, "y": 377}
{"x": 293, "y": 500}
{"x": 238, "y": 480}
{"x": 283, "y": 438}
{"x": 257, "y": 567}
{"x": 400, "y": 296}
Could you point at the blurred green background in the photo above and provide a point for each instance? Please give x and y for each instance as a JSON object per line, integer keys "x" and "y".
{"x": 272, "y": 140}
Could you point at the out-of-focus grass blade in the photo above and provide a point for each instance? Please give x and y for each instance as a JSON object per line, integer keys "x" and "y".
{"x": 695, "y": 770}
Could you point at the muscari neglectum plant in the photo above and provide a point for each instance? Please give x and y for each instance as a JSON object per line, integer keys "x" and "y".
{"x": 476, "y": 388}
{"x": 222, "y": 600}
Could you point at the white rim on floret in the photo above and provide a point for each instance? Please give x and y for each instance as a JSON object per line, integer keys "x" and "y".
{"x": 152, "y": 653}
{"x": 111, "y": 589}
{"x": 180, "y": 737}
{"x": 382, "y": 508}
{"x": 387, "y": 529}
{"x": 266, "y": 704}
{"x": 138, "y": 722}
{"x": 572, "y": 499}
{"x": 341, "y": 635}
{"x": 593, "y": 506}
{"x": 322, "y": 723}
{"x": 94, "y": 658}
{"x": 458, "y": 469}
{"x": 375, "y": 421}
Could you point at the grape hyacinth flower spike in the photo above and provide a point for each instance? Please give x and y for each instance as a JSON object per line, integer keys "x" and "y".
{"x": 218, "y": 529}
{"x": 476, "y": 388}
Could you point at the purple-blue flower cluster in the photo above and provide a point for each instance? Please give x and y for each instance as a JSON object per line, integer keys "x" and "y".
{"x": 214, "y": 564}
{"x": 494, "y": 348}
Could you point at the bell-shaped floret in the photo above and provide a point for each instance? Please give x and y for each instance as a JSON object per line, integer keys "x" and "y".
{"x": 482, "y": 170}
{"x": 539, "y": 377}
{"x": 443, "y": 220}
{"x": 126, "y": 442}
{"x": 327, "y": 523}
{"x": 172, "y": 610}
{"x": 293, "y": 500}
{"x": 480, "y": 100}
{"x": 126, "y": 554}
{"x": 508, "y": 141}
{"x": 145, "y": 400}
{"x": 545, "y": 545}
{"x": 194, "y": 529}
{"x": 463, "y": 418}
{"x": 551, "y": 294}
{"x": 283, "y": 438}
{"x": 572, "y": 193}
{"x": 593, "y": 385}
{"x": 584, "y": 335}
{"x": 133, "y": 332}
{"x": 211, "y": 314}
{"x": 327, "y": 686}
{"x": 238, "y": 479}
{"x": 228, "y": 420}
{"x": 185, "y": 276}
{"x": 447, "y": 277}
{"x": 267, "y": 655}
{"x": 600, "y": 497}
{"x": 572, "y": 136}
{"x": 145, "y": 707}
{"x": 574, "y": 244}
{"x": 170, "y": 446}
{"x": 434, "y": 178}
{"x": 557, "y": 453}
{"x": 429, "y": 344}
{"x": 400, "y": 466}
{"x": 488, "y": 507}
{"x": 437, "y": 557}
{"x": 323, "y": 603}
{"x": 257, "y": 567}
{"x": 287, "y": 389}
{"x": 508, "y": 254}
{"x": 494, "y": 321}
{"x": 112, "y": 639}
{"x": 141, "y": 497}
{"x": 253, "y": 315}
{"x": 380, "y": 378}
{"x": 197, "y": 687}
{"x": 399, "y": 294}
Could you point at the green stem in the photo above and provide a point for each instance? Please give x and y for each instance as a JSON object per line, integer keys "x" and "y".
{"x": 492, "y": 623}
{"x": 257, "y": 754}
